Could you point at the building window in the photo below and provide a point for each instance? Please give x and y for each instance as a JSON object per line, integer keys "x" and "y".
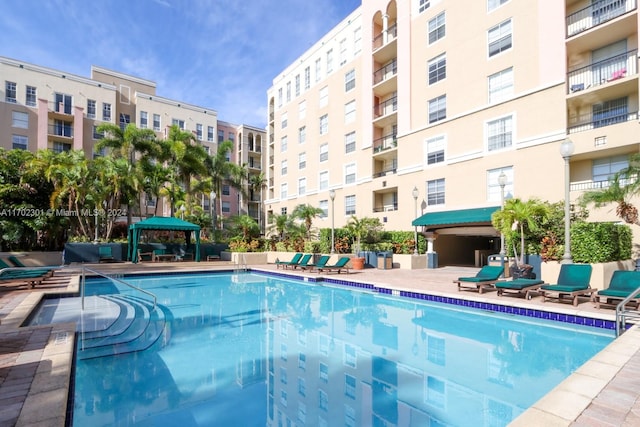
{"x": 178, "y": 122}
{"x": 343, "y": 52}
{"x": 125, "y": 119}
{"x": 437, "y": 69}
{"x": 501, "y": 85}
{"x": 435, "y": 192}
{"x": 156, "y": 122}
{"x": 494, "y": 4}
{"x": 19, "y": 142}
{"x": 350, "y": 386}
{"x": 323, "y": 400}
{"x": 500, "y": 133}
{"x": 350, "y": 173}
{"x": 324, "y": 96}
{"x": 63, "y": 103}
{"x": 324, "y": 124}
{"x": 435, "y": 150}
{"x": 350, "y": 112}
{"x": 438, "y": 109}
{"x": 284, "y": 121}
{"x": 307, "y": 78}
{"x": 610, "y": 112}
{"x": 91, "y": 108}
{"x": 437, "y": 28}
{"x": 220, "y": 136}
{"x": 324, "y": 152}
{"x": 226, "y": 190}
{"x": 283, "y": 144}
{"x": 324, "y": 205}
{"x": 210, "y": 133}
{"x": 106, "y": 112}
{"x": 493, "y": 185}
{"x": 329, "y": 61}
{"x": 199, "y": 131}
{"x": 603, "y": 170}
{"x": 350, "y": 142}
{"x": 302, "y": 135}
{"x": 226, "y": 207}
{"x": 283, "y": 210}
{"x": 302, "y": 160}
{"x": 60, "y": 147}
{"x": 297, "y": 85}
{"x": 349, "y": 80}
{"x": 144, "y": 119}
{"x": 324, "y": 180}
{"x": 288, "y": 91}
{"x": 302, "y": 186}
{"x": 500, "y": 38}
{"x": 10, "y": 92}
{"x": 279, "y": 97}
{"x": 423, "y": 5}
{"x": 350, "y": 205}
{"x": 283, "y": 167}
{"x": 302, "y": 109}
{"x": 318, "y": 69}
{"x": 357, "y": 41}
{"x": 96, "y": 134}
{"x": 19, "y": 119}
{"x": 30, "y": 99}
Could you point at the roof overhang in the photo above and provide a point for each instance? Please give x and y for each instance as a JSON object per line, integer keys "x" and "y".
{"x": 457, "y": 218}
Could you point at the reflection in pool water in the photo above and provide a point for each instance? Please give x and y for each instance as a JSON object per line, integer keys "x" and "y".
{"x": 255, "y": 350}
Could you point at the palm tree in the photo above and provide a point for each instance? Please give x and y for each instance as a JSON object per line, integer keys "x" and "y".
{"x": 517, "y": 215}
{"x": 361, "y": 227}
{"x": 279, "y": 224}
{"x": 617, "y": 192}
{"x": 307, "y": 213}
{"x": 246, "y": 225}
{"x": 222, "y": 172}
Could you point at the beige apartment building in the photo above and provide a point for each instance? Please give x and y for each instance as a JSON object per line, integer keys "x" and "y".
{"x": 42, "y": 108}
{"x": 438, "y": 98}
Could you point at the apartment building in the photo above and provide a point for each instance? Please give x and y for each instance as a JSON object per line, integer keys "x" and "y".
{"x": 42, "y": 108}
{"x": 439, "y": 98}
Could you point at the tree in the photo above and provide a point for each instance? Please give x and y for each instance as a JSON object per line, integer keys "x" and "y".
{"x": 222, "y": 172}
{"x": 522, "y": 217}
{"x": 246, "y": 226}
{"x": 307, "y": 213}
{"x": 617, "y": 191}
{"x": 279, "y": 224}
{"x": 361, "y": 227}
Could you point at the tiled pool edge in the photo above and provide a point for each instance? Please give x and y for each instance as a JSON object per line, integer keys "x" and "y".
{"x": 569, "y": 316}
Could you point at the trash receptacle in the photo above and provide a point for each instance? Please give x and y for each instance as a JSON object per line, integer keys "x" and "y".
{"x": 385, "y": 260}
{"x": 496, "y": 260}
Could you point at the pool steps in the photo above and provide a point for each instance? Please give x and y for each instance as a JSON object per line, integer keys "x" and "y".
{"x": 138, "y": 326}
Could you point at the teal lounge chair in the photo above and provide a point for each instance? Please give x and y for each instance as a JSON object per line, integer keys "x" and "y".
{"x": 573, "y": 282}
{"x": 322, "y": 261}
{"x": 306, "y": 259}
{"x": 621, "y": 285}
{"x": 19, "y": 275}
{"x": 486, "y": 278}
{"x": 519, "y": 287}
{"x": 294, "y": 260}
{"x": 340, "y": 265}
{"x": 105, "y": 254}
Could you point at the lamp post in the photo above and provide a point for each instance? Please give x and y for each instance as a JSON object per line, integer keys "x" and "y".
{"x": 332, "y": 196}
{"x": 502, "y": 181}
{"x": 212, "y": 209}
{"x": 414, "y": 193}
{"x": 182, "y": 209}
{"x": 566, "y": 150}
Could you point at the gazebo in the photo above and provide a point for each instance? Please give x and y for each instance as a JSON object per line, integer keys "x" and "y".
{"x": 162, "y": 223}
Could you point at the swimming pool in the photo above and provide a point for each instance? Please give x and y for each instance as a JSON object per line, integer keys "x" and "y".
{"x": 254, "y": 350}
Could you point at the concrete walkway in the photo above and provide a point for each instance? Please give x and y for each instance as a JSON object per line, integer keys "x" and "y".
{"x": 35, "y": 362}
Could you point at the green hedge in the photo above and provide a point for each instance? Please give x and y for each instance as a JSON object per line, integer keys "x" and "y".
{"x": 596, "y": 242}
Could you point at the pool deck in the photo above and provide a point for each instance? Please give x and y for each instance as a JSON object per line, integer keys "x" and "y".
{"x": 36, "y": 362}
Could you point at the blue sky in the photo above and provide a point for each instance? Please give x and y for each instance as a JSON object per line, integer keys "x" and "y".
{"x": 220, "y": 54}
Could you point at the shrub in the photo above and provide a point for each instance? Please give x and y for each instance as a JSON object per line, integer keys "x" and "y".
{"x": 596, "y": 242}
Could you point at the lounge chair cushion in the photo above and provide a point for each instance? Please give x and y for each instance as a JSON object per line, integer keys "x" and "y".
{"x": 518, "y": 284}
{"x": 486, "y": 274}
{"x": 564, "y": 288}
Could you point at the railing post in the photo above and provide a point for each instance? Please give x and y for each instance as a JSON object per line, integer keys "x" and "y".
{"x": 82, "y": 281}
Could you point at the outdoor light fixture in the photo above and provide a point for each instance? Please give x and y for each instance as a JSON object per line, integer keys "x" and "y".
{"x": 332, "y": 196}
{"x": 502, "y": 181}
{"x": 415, "y": 193}
{"x": 566, "y": 150}
{"x": 212, "y": 209}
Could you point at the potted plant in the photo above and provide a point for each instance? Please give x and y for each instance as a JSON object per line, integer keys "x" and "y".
{"x": 359, "y": 229}
{"x": 520, "y": 218}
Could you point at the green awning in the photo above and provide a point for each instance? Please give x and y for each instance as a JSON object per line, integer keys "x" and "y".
{"x": 462, "y": 217}
{"x": 162, "y": 223}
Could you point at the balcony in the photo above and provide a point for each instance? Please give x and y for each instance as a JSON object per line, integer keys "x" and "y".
{"x": 384, "y": 45}
{"x": 387, "y": 142}
{"x": 596, "y": 14}
{"x": 602, "y": 118}
{"x": 60, "y": 131}
{"x": 383, "y": 113}
{"x": 385, "y": 37}
{"x": 386, "y": 208}
{"x": 60, "y": 110}
{"x": 603, "y": 72}
{"x": 595, "y": 185}
{"x": 384, "y": 78}
{"x": 390, "y": 171}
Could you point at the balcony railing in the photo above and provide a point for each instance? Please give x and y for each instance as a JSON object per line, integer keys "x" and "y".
{"x": 385, "y": 37}
{"x": 596, "y": 14}
{"x": 607, "y": 118}
{"x": 385, "y": 72}
{"x": 61, "y": 130}
{"x": 385, "y": 143}
{"x": 60, "y": 107}
{"x": 602, "y": 72}
{"x": 387, "y": 107}
{"x": 385, "y": 172}
{"x": 596, "y": 185}
{"x": 386, "y": 208}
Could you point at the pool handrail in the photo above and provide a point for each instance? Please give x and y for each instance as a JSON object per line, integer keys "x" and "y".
{"x": 622, "y": 313}
{"x": 115, "y": 279}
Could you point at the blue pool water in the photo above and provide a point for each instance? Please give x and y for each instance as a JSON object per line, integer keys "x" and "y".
{"x": 256, "y": 350}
